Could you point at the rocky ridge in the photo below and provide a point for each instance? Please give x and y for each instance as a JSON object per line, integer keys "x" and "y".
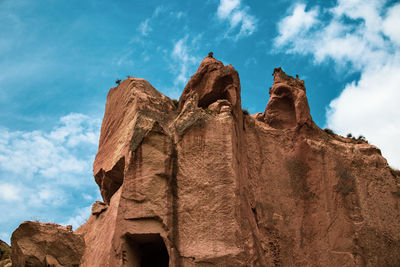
{"x": 202, "y": 184}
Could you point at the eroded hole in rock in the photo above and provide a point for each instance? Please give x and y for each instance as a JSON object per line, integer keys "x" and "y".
{"x": 218, "y": 92}
{"x": 145, "y": 250}
{"x": 110, "y": 181}
{"x": 285, "y": 109}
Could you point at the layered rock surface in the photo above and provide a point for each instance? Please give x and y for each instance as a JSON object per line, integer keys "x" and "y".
{"x": 201, "y": 184}
{"x": 5, "y": 254}
{"x": 37, "y": 244}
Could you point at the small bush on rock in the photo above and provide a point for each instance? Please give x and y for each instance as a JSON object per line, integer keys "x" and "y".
{"x": 329, "y": 131}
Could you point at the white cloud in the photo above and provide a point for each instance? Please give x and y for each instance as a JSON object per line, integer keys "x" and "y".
{"x": 49, "y": 154}
{"x": 299, "y": 22}
{"x": 45, "y": 174}
{"x": 80, "y": 218}
{"x": 372, "y": 105}
{"x": 241, "y": 22}
{"x": 226, "y": 7}
{"x": 9, "y": 192}
{"x": 45, "y": 195}
{"x": 184, "y": 62}
{"x": 144, "y": 27}
{"x": 391, "y": 24}
{"x": 76, "y": 129}
{"x": 5, "y": 237}
{"x": 87, "y": 197}
{"x": 359, "y": 36}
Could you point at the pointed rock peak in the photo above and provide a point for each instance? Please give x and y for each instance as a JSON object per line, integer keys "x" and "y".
{"x": 210, "y": 61}
{"x": 213, "y": 81}
{"x": 281, "y": 77}
{"x": 288, "y": 105}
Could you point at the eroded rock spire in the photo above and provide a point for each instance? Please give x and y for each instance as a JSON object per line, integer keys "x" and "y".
{"x": 288, "y": 105}
{"x": 213, "y": 81}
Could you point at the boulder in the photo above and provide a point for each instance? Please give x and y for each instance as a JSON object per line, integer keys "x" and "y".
{"x": 5, "y": 254}
{"x": 36, "y": 244}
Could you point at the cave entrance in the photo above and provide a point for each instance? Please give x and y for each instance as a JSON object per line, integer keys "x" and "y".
{"x": 145, "y": 250}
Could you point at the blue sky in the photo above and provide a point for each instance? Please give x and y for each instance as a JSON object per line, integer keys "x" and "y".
{"x": 59, "y": 58}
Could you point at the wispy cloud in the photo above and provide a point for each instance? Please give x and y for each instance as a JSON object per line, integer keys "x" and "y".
{"x": 43, "y": 173}
{"x": 5, "y": 237}
{"x": 145, "y": 27}
{"x": 391, "y": 24}
{"x": 49, "y": 154}
{"x": 9, "y": 192}
{"x": 184, "y": 62}
{"x": 299, "y": 22}
{"x": 359, "y": 36}
{"x": 241, "y": 22}
{"x": 82, "y": 214}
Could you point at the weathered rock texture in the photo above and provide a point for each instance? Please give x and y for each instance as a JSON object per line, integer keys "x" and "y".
{"x": 5, "y": 254}
{"x": 36, "y": 244}
{"x": 288, "y": 105}
{"x": 204, "y": 185}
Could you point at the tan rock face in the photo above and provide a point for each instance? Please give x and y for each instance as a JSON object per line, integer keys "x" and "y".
{"x": 288, "y": 106}
{"x": 46, "y": 244}
{"x": 98, "y": 207}
{"x": 5, "y": 254}
{"x": 205, "y": 185}
{"x": 132, "y": 108}
{"x": 211, "y": 82}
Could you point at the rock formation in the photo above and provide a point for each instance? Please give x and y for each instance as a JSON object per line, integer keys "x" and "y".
{"x": 37, "y": 244}
{"x": 5, "y": 254}
{"x": 288, "y": 105}
{"x": 205, "y": 185}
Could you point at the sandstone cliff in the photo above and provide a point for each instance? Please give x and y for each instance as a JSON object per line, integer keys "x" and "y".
{"x": 202, "y": 184}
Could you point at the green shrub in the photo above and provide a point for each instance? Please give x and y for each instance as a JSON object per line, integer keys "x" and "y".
{"x": 118, "y": 81}
{"x": 329, "y": 131}
{"x": 175, "y": 102}
{"x": 361, "y": 138}
{"x": 245, "y": 112}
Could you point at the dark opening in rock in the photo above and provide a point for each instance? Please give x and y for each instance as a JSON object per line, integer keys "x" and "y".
{"x": 110, "y": 181}
{"x": 145, "y": 250}
{"x": 280, "y": 112}
{"x": 219, "y": 91}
